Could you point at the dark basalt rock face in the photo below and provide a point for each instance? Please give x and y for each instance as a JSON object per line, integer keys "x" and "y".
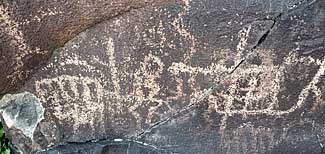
{"x": 31, "y": 30}
{"x": 212, "y": 76}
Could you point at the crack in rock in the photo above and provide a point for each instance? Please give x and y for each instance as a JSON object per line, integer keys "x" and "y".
{"x": 196, "y": 101}
{"x": 101, "y": 146}
{"x": 213, "y": 87}
{"x": 261, "y": 39}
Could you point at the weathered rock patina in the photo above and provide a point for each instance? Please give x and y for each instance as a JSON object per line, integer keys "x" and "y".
{"x": 31, "y": 30}
{"x": 141, "y": 82}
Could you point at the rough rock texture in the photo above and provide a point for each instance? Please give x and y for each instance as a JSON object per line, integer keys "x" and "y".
{"x": 204, "y": 76}
{"x": 30, "y": 30}
{"x": 20, "y": 114}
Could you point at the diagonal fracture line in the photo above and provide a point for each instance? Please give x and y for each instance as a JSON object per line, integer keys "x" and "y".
{"x": 275, "y": 19}
{"x": 205, "y": 94}
{"x": 110, "y": 142}
{"x": 188, "y": 107}
{"x": 210, "y": 90}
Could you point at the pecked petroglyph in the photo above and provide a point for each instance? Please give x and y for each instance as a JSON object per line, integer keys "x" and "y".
{"x": 10, "y": 28}
{"x": 67, "y": 88}
{"x": 30, "y": 32}
{"x": 181, "y": 28}
{"x": 121, "y": 85}
{"x": 125, "y": 76}
{"x": 99, "y": 93}
{"x": 258, "y": 99}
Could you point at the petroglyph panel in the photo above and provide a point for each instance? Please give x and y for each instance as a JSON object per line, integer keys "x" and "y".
{"x": 126, "y": 76}
{"x": 30, "y": 31}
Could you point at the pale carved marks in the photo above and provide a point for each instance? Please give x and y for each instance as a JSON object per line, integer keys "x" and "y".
{"x": 181, "y": 28}
{"x": 31, "y": 31}
{"x": 112, "y": 65}
{"x": 249, "y": 94}
{"x": 89, "y": 100}
{"x": 318, "y": 91}
{"x": 254, "y": 89}
{"x": 264, "y": 83}
{"x": 246, "y": 89}
{"x": 251, "y": 35}
{"x": 73, "y": 89}
{"x": 243, "y": 36}
{"x": 312, "y": 85}
{"x": 16, "y": 40}
{"x": 250, "y": 99}
{"x": 43, "y": 14}
{"x": 146, "y": 87}
{"x": 71, "y": 96}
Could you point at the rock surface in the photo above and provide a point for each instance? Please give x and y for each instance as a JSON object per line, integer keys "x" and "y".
{"x": 203, "y": 76}
{"x": 31, "y": 30}
{"x": 21, "y": 113}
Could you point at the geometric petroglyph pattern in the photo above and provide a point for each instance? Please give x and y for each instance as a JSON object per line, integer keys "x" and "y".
{"x": 251, "y": 90}
{"x": 254, "y": 90}
{"x": 201, "y": 74}
{"x": 93, "y": 79}
{"x": 85, "y": 99}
